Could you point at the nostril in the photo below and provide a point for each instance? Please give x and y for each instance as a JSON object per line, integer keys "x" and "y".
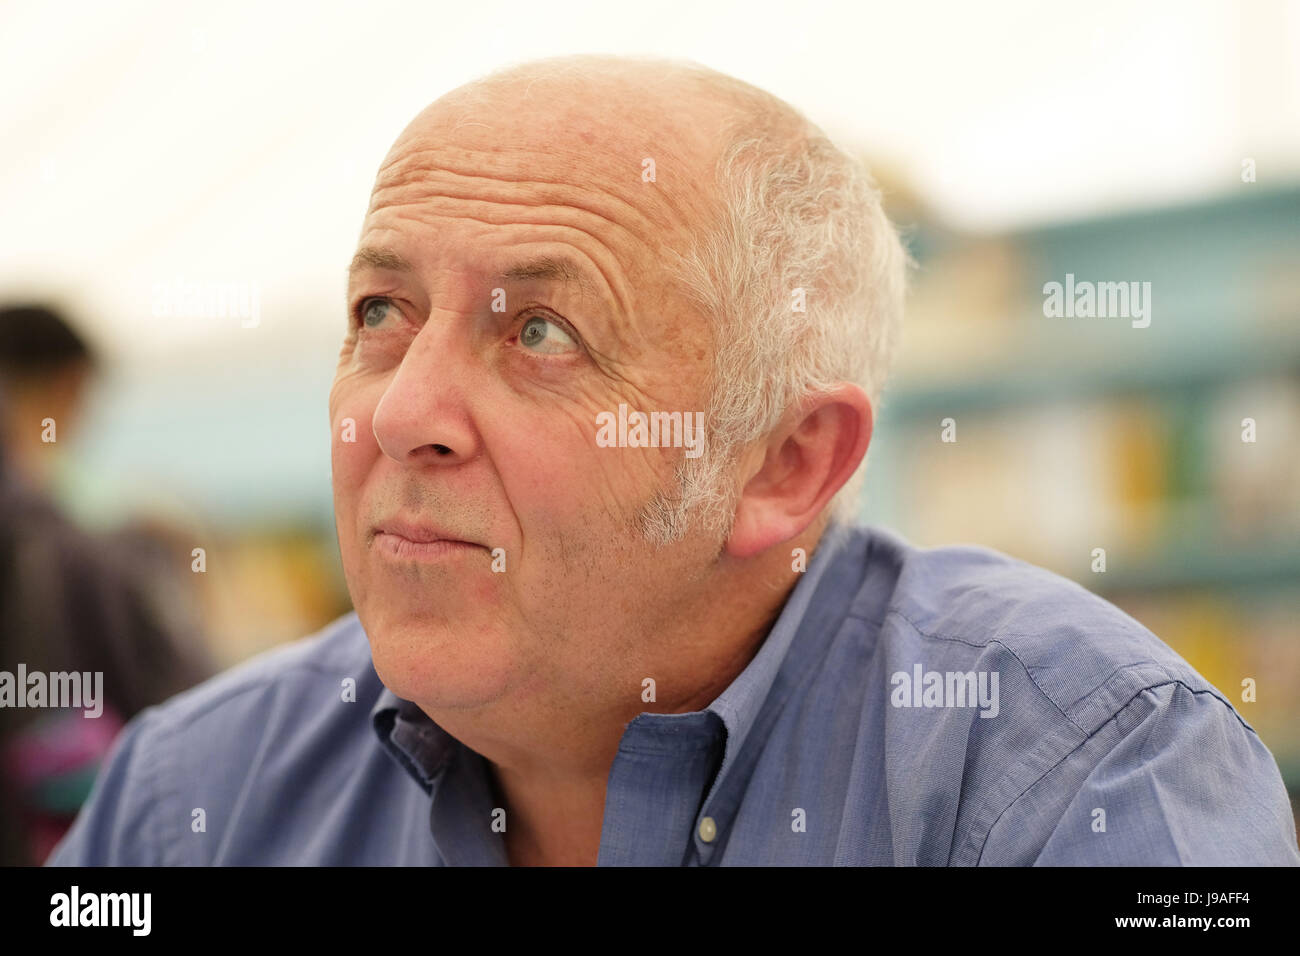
{"x": 442, "y": 449}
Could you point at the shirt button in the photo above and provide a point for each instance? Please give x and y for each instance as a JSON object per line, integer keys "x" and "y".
{"x": 708, "y": 829}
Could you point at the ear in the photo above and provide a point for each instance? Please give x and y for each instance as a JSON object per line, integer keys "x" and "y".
{"x": 806, "y": 459}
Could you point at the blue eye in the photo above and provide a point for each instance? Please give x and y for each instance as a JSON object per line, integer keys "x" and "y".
{"x": 373, "y": 311}
{"x": 541, "y": 335}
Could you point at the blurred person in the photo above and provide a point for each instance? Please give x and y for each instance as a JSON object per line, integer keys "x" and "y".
{"x": 69, "y": 603}
{"x": 580, "y": 640}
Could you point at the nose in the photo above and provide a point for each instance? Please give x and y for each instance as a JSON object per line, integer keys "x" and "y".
{"x": 423, "y": 417}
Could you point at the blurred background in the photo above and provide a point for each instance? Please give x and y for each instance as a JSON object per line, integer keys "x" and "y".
{"x": 184, "y": 185}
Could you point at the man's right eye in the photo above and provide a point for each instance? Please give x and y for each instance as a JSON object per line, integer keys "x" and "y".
{"x": 372, "y": 311}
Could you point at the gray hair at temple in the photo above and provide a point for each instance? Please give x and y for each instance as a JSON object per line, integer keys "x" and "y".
{"x": 798, "y": 213}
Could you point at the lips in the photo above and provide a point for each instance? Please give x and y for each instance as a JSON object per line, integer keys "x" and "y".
{"x": 419, "y": 532}
{"x": 404, "y": 541}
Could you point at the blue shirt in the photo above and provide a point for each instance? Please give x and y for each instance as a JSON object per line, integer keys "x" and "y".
{"x": 933, "y": 707}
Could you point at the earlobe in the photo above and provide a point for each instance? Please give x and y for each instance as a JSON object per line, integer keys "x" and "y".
{"x": 806, "y": 461}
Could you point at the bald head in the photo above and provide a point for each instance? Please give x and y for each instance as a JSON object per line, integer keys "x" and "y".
{"x": 629, "y": 122}
{"x": 680, "y": 103}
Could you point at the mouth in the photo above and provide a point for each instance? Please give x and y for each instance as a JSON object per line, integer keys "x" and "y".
{"x": 409, "y": 540}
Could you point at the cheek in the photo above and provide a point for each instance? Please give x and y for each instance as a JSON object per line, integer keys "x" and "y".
{"x": 558, "y": 480}
{"x": 353, "y": 450}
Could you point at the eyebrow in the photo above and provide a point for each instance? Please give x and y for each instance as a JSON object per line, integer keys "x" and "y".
{"x": 547, "y": 268}
{"x": 369, "y": 257}
{"x": 552, "y": 269}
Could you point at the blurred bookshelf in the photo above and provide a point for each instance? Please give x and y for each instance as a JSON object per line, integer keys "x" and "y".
{"x": 1082, "y": 433}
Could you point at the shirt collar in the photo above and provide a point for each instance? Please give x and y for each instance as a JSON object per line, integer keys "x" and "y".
{"x": 739, "y": 704}
{"x": 420, "y": 746}
{"x": 423, "y": 749}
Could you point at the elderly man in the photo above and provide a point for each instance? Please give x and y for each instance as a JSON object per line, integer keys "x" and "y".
{"x": 587, "y": 633}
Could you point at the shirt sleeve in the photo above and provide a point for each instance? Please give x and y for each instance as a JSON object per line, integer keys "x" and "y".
{"x": 1188, "y": 785}
{"x": 118, "y": 823}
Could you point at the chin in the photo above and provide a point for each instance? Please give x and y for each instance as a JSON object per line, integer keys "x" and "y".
{"x": 437, "y": 663}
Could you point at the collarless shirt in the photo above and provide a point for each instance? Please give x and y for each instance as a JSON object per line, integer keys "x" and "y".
{"x": 948, "y": 706}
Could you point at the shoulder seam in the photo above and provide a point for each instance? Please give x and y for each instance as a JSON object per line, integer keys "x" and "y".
{"x": 1212, "y": 691}
{"x": 1114, "y": 716}
{"x": 991, "y": 641}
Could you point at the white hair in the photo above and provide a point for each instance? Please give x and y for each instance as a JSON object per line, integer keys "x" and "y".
{"x": 798, "y": 213}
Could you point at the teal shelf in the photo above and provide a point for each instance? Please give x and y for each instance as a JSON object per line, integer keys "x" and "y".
{"x": 1263, "y": 566}
{"x": 1043, "y": 380}
{"x": 1220, "y": 272}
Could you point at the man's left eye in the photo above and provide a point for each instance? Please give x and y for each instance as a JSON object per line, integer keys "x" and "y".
{"x": 541, "y": 335}
{"x": 372, "y": 311}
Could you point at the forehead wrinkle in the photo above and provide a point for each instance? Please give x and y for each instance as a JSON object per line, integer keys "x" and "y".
{"x": 614, "y": 289}
{"x": 617, "y": 290}
{"x": 465, "y": 173}
{"x": 657, "y": 221}
{"x": 441, "y": 181}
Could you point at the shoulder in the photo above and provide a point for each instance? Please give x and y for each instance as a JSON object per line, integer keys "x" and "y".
{"x": 312, "y": 687}
{"x": 1081, "y": 653}
{"x": 290, "y": 674}
{"x": 272, "y": 726}
{"x": 1089, "y": 709}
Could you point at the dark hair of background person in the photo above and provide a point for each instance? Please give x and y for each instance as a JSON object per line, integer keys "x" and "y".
{"x": 36, "y": 339}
